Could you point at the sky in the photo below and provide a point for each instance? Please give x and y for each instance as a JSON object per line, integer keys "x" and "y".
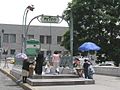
{"x": 11, "y": 11}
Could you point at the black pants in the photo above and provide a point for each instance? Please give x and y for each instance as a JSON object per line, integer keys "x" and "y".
{"x": 86, "y": 73}
{"x": 38, "y": 69}
{"x": 24, "y": 79}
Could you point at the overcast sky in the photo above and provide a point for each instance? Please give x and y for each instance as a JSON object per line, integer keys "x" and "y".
{"x": 11, "y": 11}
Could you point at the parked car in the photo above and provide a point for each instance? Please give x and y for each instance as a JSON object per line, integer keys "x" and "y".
{"x": 11, "y": 60}
{"x": 106, "y": 64}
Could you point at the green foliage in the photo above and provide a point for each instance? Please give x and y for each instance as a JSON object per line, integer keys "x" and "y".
{"x": 66, "y": 41}
{"x": 97, "y": 21}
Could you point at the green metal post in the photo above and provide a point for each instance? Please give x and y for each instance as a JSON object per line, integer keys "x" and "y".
{"x": 71, "y": 33}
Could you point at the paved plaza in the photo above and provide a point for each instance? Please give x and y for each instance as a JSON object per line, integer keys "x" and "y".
{"x": 102, "y": 82}
{"x": 7, "y": 83}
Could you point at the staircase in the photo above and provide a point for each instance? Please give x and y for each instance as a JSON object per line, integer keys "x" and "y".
{"x": 58, "y": 79}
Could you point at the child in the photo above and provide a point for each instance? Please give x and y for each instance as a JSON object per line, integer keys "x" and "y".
{"x": 91, "y": 71}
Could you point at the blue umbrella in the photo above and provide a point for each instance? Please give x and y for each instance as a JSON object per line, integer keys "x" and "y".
{"x": 88, "y": 46}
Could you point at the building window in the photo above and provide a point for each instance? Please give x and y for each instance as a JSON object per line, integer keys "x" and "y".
{"x": 42, "y": 39}
{"x": 9, "y": 38}
{"x": 48, "y": 39}
{"x": 5, "y": 38}
{"x": 12, "y": 38}
{"x": 12, "y": 51}
{"x": 30, "y": 37}
{"x": 5, "y": 52}
{"x": 59, "y": 39}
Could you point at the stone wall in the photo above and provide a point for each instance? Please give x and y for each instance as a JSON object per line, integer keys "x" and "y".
{"x": 16, "y": 73}
{"x": 106, "y": 70}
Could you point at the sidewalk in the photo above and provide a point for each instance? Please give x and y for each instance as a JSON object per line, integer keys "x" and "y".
{"x": 7, "y": 72}
{"x": 26, "y": 86}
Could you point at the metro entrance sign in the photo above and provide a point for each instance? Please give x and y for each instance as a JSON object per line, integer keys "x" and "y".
{"x": 55, "y": 19}
{"x": 49, "y": 19}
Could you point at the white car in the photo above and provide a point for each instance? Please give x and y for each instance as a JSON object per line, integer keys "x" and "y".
{"x": 11, "y": 60}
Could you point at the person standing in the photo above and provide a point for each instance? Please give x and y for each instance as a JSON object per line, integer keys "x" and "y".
{"x": 6, "y": 63}
{"x": 85, "y": 67}
{"x": 25, "y": 70}
{"x": 56, "y": 62}
{"x": 39, "y": 64}
{"x": 91, "y": 71}
{"x": 31, "y": 68}
{"x": 78, "y": 67}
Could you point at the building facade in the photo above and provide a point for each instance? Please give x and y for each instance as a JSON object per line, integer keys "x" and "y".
{"x": 50, "y": 37}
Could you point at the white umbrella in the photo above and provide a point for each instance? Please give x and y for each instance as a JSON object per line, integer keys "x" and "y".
{"x": 21, "y": 56}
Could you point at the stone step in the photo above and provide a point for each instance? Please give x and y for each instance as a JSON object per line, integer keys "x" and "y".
{"x": 54, "y": 76}
{"x": 54, "y": 82}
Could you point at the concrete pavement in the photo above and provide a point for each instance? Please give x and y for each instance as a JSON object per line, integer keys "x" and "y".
{"x": 26, "y": 86}
{"x": 101, "y": 83}
{"x": 7, "y": 84}
{"x": 6, "y": 70}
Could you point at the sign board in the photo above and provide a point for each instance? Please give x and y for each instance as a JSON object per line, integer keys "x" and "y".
{"x": 49, "y": 19}
{"x": 32, "y": 47}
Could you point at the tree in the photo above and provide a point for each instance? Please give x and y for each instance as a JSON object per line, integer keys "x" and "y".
{"x": 97, "y": 21}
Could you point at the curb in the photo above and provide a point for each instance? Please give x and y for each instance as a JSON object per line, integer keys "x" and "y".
{"x": 14, "y": 79}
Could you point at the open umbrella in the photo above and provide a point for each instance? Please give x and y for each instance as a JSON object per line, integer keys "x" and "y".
{"x": 21, "y": 56}
{"x": 88, "y": 46}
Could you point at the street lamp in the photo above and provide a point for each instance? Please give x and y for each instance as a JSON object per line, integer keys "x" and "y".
{"x": 24, "y": 25}
{"x": 48, "y": 19}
